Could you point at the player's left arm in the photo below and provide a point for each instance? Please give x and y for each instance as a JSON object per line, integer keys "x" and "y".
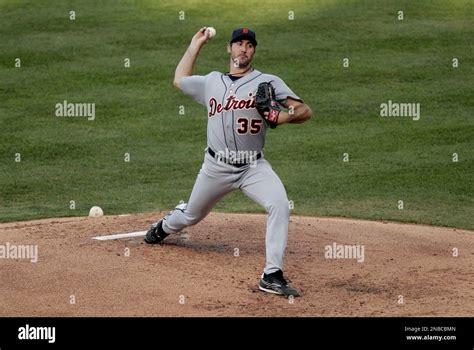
{"x": 298, "y": 112}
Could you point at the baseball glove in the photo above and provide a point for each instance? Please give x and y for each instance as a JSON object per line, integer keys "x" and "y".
{"x": 265, "y": 102}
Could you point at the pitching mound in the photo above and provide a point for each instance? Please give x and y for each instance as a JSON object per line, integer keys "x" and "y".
{"x": 342, "y": 268}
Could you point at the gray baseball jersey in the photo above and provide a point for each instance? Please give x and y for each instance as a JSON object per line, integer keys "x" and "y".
{"x": 234, "y": 123}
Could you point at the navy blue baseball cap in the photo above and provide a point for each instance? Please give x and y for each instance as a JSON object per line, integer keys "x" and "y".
{"x": 243, "y": 33}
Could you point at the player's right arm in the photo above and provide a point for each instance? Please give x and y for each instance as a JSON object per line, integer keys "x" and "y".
{"x": 186, "y": 65}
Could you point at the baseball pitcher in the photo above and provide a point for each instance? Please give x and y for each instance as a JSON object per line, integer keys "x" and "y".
{"x": 241, "y": 105}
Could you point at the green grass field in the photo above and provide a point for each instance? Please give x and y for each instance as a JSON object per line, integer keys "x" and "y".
{"x": 390, "y": 159}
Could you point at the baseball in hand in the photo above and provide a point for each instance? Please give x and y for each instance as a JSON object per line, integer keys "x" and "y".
{"x": 211, "y": 32}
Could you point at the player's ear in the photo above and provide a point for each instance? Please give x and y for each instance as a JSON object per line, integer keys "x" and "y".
{"x": 228, "y": 48}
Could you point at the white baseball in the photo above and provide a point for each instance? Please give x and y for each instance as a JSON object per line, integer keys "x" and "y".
{"x": 96, "y": 211}
{"x": 211, "y": 32}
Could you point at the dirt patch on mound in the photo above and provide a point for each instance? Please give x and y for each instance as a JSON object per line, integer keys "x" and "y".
{"x": 213, "y": 268}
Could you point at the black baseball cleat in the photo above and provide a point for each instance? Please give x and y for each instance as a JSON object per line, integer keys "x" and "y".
{"x": 275, "y": 283}
{"x": 156, "y": 234}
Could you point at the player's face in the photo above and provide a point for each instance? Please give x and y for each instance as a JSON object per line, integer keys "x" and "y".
{"x": 242, "y": 52}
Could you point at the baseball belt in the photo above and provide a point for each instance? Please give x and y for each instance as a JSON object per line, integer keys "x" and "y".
{"x": 237, "y": 164}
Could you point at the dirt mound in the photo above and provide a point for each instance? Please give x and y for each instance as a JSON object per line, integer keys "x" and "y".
{"x": 342, "y": 267}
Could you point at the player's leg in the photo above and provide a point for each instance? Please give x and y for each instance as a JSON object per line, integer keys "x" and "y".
{"x": 211, "y": 185}
{"x": 207, "y": 191}
{"x": 264, "y": 186}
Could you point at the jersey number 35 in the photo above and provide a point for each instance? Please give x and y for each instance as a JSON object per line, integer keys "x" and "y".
{"x": 254, "y": 126}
